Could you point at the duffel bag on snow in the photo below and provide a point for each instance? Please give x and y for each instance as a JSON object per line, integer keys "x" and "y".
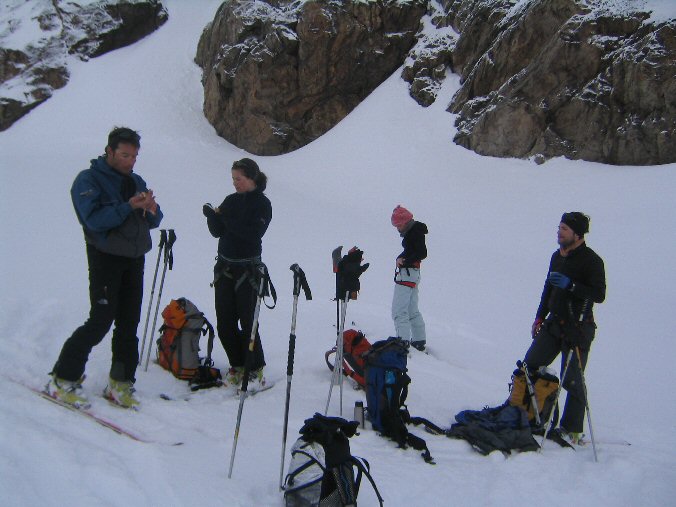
{"x": 178, "y": 345}
{"x": 321, "y": 471}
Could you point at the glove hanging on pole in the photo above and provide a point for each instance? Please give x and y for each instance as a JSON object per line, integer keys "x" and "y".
{"x": 349, "y": 269}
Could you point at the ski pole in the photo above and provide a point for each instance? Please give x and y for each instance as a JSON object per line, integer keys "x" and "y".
{"x": 262, "y": 274}
{"x": 586, "y": 402}
{"x": 342, "y": 350}
{"x": 531, "y": 391}
{"x": 299, "y": 281}
{"x": 569, "y": 355}
{"x": 583, "y": 313}
{"x": 168, "y": 262}
{"x": 163, "y": 240}
{"x": 335, "y": 257}
{"x": 337, "y": 376}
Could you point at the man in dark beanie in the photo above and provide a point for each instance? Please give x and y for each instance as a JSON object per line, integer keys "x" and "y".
{"x": 564, "y": 320}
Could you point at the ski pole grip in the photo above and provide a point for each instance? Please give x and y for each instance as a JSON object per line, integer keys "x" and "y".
{"x": 163, "y": 238}
{"x": 292, "y": 350}
{"x": 299, "y": 281}
{"x": 296, "y": 278}
{"x": 172, "y": 238}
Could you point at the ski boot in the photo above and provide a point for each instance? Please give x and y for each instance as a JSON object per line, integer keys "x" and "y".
{"x": 572, "y": 438}
{"x": 234, "y": 376}
{"x": 419, "y": 345}
{"x": 121, "y": 393}
{"x": 68, "y": 391}
{"x": 257, "y": 382}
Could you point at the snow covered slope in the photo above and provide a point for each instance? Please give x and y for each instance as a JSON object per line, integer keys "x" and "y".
{"x": 492, "y": 229}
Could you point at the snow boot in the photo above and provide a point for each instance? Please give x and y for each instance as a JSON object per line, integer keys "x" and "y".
{"x": 234, "y": 376}
{"x": 257, "y": 381}
{"x": 121, "y": 393}
{"x": 420, "y": 345}
{"x": 68, "y": 391}
{"x": 572, "y": 438}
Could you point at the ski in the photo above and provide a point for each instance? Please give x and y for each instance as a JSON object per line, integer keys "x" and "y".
{"x": 235, "y": 393}
{"x": 585, "y": 443}
{"x": 87, "y": 413}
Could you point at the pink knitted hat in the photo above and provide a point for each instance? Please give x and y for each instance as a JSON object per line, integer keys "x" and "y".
{"x": 401, "y": 216}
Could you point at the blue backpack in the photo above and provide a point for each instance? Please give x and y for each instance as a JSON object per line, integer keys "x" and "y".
{"x": 387, "y": 383}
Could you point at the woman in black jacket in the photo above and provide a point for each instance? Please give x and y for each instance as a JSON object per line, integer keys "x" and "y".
{"x": 408, "y": 321}
{"x": 239, "y": 223}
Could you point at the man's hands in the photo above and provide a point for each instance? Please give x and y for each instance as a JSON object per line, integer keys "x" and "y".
{"x": 145, "y": 201}
{"x": 559, "y": 280}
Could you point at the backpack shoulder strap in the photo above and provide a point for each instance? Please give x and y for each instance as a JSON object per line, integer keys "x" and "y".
{"x": 208, "y": 329}
{"x": 363, "y": 468}
{"x": 420, "y": 445}
{"x": 416, "y": 442}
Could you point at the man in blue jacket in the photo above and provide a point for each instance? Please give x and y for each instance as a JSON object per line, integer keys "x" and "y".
{"x": 116, "y": 210}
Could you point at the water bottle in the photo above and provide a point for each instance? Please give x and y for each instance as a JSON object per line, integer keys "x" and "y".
{"x": 359, "y": 413}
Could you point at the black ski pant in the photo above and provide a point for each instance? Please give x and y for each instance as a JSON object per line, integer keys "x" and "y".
{"x": 115, "y": 295}
{"x": 553, "y": 338}
{"x": 235, "y": 300}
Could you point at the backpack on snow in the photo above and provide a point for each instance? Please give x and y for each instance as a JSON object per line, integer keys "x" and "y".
{"x": 355, "y": 345}
{"x": 386, "y": 392}
{"x": 321, "y": 471}
{"x": 545, "y": 385}
{"x": 178, "y": 346}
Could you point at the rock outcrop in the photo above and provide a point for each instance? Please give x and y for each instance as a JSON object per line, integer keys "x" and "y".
{"x": 279, "y": 74}
{"x": 540, "y": 79}
{"x": 31, "y": 68}
{"x": 561, "y": 78}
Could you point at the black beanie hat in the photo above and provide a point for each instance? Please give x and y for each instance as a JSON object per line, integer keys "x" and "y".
{"x": 577, "y": 221}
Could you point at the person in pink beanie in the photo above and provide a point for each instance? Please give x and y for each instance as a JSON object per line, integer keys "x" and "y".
{"x": 408, "y": 321}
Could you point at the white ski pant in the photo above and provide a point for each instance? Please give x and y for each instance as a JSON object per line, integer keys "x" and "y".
{"x": 408, "y": 321}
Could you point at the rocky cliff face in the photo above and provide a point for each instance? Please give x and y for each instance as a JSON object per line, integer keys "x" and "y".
{"x": 543, "y": 78}
{"x": 279, "y": 74}
{"x": 36, "y": 38}
{"x": 562, "y": 77}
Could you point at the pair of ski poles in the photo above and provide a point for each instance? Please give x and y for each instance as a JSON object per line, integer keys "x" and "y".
{"x": 337, "y": 375}
{"x": 343, "y": 296}
{"x": 569, "y": 356}
{"x": 263, "y": 278}
{"x": 167, "y": 240}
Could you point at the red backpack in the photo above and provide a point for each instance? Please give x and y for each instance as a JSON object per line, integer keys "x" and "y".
{"x": 355, "y": 345}
{"x": 178, "y": 345}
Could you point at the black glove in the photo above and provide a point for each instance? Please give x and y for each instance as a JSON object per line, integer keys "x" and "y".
{"x": 349, "y": 271}
{"x": 208, "y": 210}
{"x": 333, "y": 434}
